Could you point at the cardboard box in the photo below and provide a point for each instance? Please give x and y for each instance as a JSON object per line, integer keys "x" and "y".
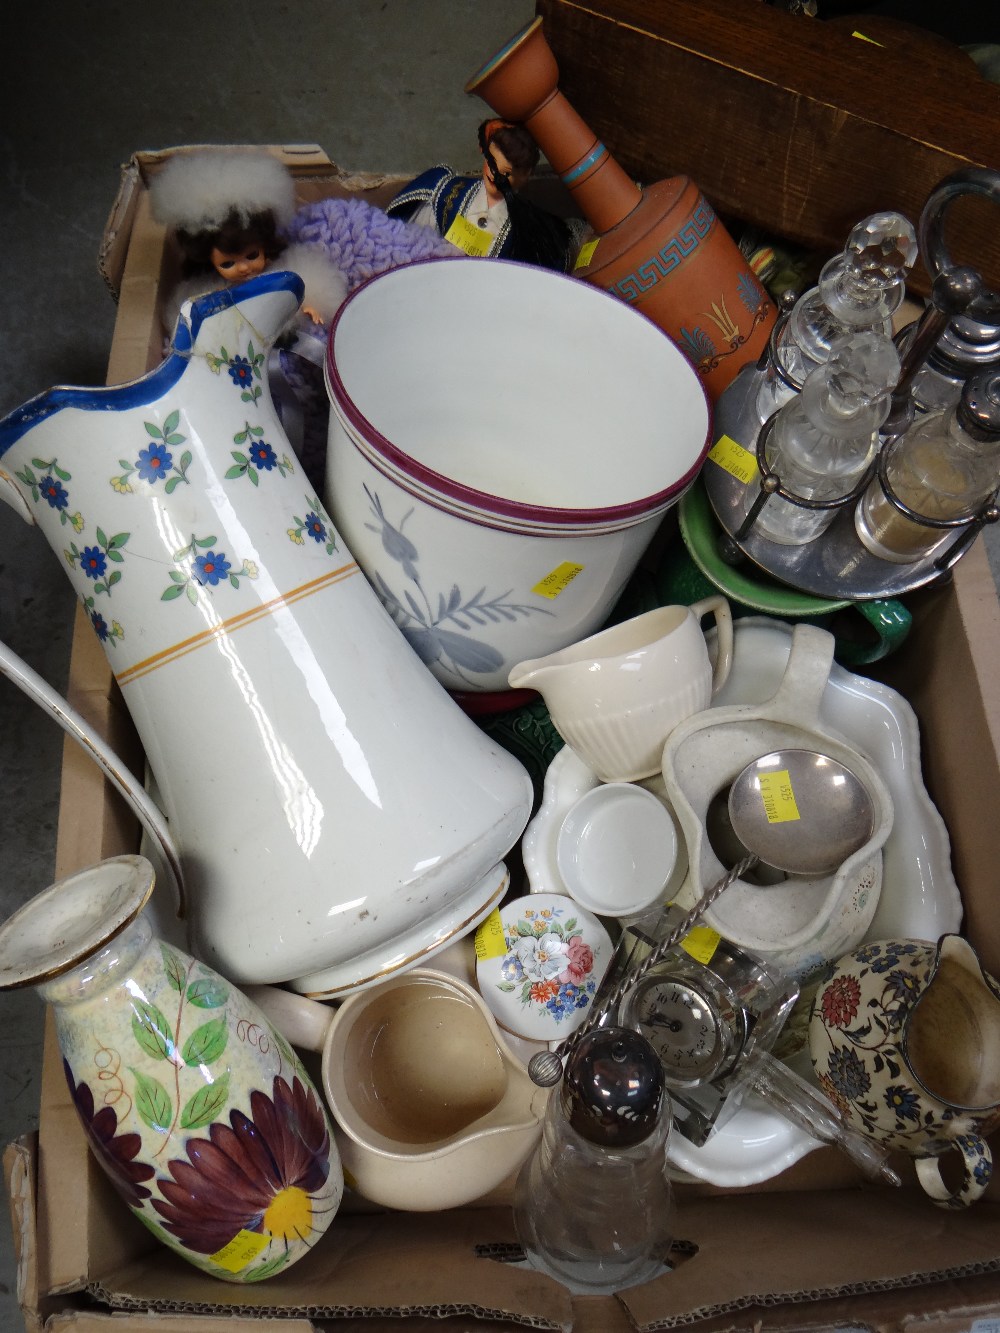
{"x": 792, "y": 124}
{"x": 814, "y": 1249}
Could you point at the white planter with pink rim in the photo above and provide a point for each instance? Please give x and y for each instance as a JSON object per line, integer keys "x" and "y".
{"x": 504, "y": 442}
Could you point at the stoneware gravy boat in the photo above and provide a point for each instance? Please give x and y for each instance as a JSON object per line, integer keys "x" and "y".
{"x": 434, "y": 1109}
{"x": 616, "y": 696}
{"x": 799, "y": 922}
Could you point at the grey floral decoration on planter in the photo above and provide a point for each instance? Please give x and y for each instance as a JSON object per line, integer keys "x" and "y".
{"x": 441, "y": 634}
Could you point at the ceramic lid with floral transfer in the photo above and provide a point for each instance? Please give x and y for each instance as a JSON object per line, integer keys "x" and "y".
{"x": 539, "y": 962}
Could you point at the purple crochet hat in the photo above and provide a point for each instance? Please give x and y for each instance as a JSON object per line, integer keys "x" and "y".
{"x": 361, "y": 240}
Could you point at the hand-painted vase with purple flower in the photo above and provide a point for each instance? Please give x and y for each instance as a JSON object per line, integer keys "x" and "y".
{"x": 197, "y": 1110}
{"x": 905, "y": 1039}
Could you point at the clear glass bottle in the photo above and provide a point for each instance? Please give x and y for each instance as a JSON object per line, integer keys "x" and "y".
{"x": 823, "y": 440}
{"x": 593, "y": 1205}
{"x": 966, "y": 348}
{"x": 946, "y": 466}
{"x": 858, "y": 290}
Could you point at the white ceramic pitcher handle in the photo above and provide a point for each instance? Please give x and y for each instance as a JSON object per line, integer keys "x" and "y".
{"x": 127, "y": 784}
{"x": 718, "y": 607}
{"x": 800, "y": 693}
{"x": 977, "y": 1164}
{"x": 303, "y": 1022}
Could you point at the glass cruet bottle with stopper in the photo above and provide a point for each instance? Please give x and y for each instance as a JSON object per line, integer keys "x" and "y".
{"x": 859, "y": 289}
{"x": 946, "y": 466}
{"x": 593, "y": 1205}
{"x": 821, "y": 443}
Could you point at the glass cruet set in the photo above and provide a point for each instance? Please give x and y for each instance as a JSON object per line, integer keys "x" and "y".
{"x": 904, "y": 430}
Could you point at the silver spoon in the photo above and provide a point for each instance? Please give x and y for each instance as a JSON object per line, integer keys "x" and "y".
{"x": 797, "y": 810}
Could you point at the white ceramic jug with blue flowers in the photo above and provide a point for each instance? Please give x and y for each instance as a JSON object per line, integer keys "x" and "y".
{"x": 337, "y": 817}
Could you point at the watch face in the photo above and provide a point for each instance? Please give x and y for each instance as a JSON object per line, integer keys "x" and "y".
{"x": 688, "y": 1026}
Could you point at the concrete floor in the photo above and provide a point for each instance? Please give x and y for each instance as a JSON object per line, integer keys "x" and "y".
{"x": 377, "y": 85}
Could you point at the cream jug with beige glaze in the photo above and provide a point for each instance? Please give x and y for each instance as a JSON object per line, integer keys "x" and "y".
{"x": 434, "y": 1110}
{"x": 905, "y": 1039}
{"x": 616, "y": 696}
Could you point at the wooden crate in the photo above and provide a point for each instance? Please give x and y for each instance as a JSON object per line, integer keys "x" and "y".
{"x": 791, "y": 124}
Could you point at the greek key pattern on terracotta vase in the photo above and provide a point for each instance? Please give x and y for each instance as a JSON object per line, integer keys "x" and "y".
{"x": 660, "y": 265}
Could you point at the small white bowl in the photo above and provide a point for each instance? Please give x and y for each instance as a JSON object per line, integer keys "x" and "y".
{"x": 539, "y": 963}
{"x": 617, "y": 849}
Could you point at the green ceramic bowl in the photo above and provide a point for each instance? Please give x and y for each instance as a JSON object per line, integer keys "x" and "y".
{"x": 692, "y": 569}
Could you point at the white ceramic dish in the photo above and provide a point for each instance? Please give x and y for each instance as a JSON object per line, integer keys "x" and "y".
{"x": 617, "y": 849}
{"x": 755, "y": 1145}
{"x": 568, "y": 779}
{"x": 811, "y": 919}
{"x": 919, "y": 898}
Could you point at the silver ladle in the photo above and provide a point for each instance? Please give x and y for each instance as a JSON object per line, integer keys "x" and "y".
{"x": 797, "y": 810}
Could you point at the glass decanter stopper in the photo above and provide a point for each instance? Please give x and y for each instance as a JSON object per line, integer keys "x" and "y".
{"x": 946, "y": 466}
{"x": 859, "y": 289}
{"x": 593, "y": 1205}
{"x": 823, "y": 440}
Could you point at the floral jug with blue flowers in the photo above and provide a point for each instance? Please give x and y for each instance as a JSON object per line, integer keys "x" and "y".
{"x": 336, "y": 816}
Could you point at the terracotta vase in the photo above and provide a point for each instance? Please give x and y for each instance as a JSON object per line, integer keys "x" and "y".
{"x": 197, "y": 1110}
{"x": 662, "y": 248}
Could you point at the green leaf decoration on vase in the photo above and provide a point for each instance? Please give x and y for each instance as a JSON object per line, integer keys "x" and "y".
{"x": 151, "y": 1030}
{"x": 153, "y": 1102}
{"x": 206, "y": 1043}
{"x": 206, "y": 1105}
{"x": 207, "y": 993}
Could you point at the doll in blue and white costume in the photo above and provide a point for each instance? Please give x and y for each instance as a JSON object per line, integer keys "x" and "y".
{"x": 484, "y": 215}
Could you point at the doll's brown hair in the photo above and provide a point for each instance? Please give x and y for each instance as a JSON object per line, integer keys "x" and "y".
{"x": 238, "y": 232}
{"x": 514, "y": 141}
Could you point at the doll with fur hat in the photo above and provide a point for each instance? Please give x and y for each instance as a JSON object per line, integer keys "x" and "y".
{"x": 226, "y": 208}
{"x": 234, "y": 216}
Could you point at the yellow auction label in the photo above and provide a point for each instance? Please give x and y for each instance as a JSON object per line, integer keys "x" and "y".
{"x": 241, "y": 1250}
{"x": 473, "y": 240}
{"x": 701, "y": 943}
{"x": 734, "y": 459}
{"x": 558, "y": 580}
{"x": 778, "y": 797}
{"x": 586, "y": 254}
{"x": 490, "y": 942}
